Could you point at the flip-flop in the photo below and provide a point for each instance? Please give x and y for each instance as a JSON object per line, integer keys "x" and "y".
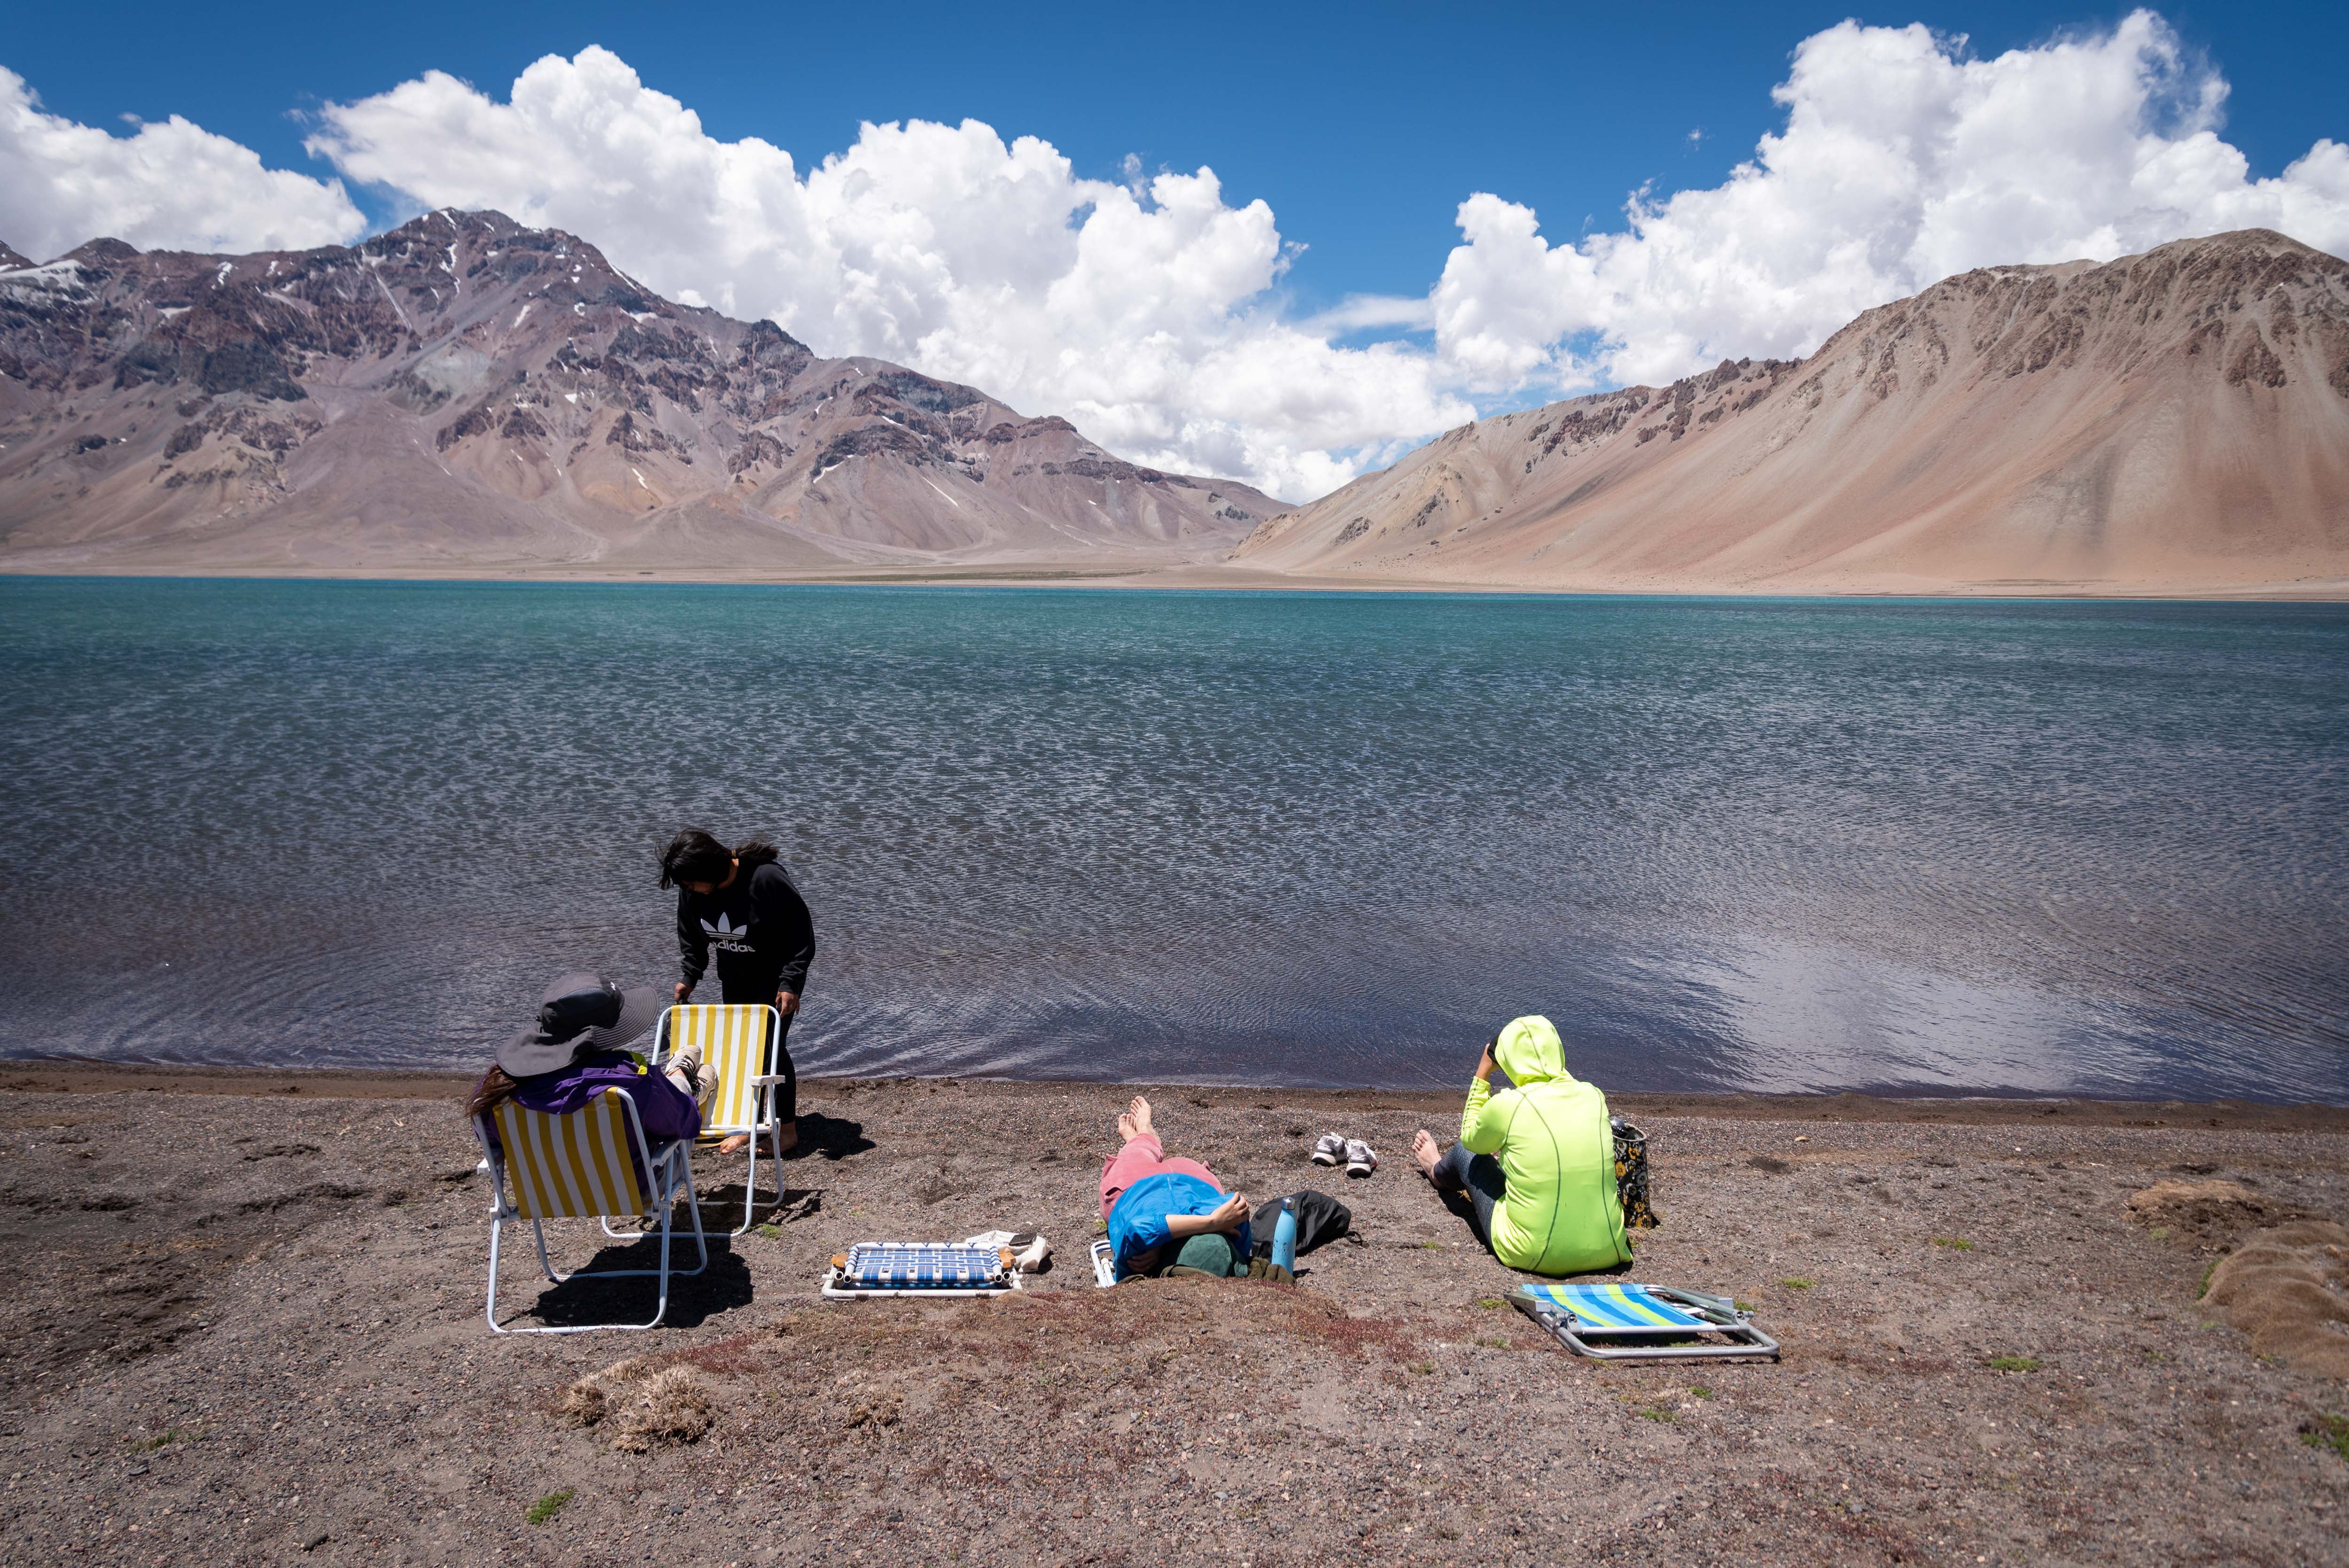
{"x": 1330, "y": 1148}
{"x": 1361, "y": 1158}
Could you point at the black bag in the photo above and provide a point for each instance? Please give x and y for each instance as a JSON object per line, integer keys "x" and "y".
{"x": 1320, "y": 1217}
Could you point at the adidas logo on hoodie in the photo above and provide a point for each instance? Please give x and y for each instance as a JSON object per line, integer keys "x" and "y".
{"x": 729, "y": 937}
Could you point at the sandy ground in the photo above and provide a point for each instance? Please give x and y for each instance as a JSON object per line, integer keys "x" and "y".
{"x": 246, "y": 1327}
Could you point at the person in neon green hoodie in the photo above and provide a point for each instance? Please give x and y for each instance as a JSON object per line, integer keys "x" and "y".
{"x": 1537, "y": 1160}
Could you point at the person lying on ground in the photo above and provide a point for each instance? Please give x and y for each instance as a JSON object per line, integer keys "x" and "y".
{"x": 743, "y": 903}
{"x": 1537, "y": 1160}
{"x": 579, "y": 1047}
{"x": 1166, "y": 1212}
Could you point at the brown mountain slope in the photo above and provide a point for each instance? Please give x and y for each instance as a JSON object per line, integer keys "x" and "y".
{"x": 2177, "y": 421}
{"x": 465, "y": 392}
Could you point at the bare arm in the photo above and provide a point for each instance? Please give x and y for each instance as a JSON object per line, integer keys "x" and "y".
{"x": 1226, "y": 1217}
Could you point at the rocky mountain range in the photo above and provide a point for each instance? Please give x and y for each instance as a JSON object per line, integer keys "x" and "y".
{"x": 463, "y": 393}
{"x": 2171, "y": 422}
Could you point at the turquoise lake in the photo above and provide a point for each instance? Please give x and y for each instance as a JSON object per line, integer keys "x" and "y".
{"x": 2041, "y": 848}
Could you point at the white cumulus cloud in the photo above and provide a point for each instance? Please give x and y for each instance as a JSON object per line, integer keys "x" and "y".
{"x": 1138, "y": 309}
{"x": 172, "y": 186}
{"x": 1902, "y": 162}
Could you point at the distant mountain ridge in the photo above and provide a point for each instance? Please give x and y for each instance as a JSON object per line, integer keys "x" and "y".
{"x": 2176, "y": 421}
{"x": 466, "y": 392}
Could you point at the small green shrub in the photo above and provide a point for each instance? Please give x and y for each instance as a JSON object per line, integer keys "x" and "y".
{"x": 1701, "y": 1392}
{"x": 2012, "y": 1364}
{"x": 772, "y": 1233}
{"x": 1796, "y": 1282}
{"x": 1955, "y": 1243}
{"x": 2327, "y": 1432}
{"x": 2204, "y": 1288}
{"x": 1490, "y": 1303}
{"x": 547, "y": 1507}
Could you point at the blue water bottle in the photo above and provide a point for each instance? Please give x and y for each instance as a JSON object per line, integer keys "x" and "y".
{"x": 1284, "y": 1237}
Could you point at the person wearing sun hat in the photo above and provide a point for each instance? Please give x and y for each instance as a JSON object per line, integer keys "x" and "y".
{"x": 584, "y": 1042}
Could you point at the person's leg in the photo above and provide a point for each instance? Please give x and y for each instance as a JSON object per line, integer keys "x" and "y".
{"x": 1487, "y": 1185}
{"x": 787, "y": 1093}
{"x": 1140, "y": 1155}
{"x": 1448, "y": 1170}
{"x": 1458, "y": 1171}
{"x": 697, "y": 1077}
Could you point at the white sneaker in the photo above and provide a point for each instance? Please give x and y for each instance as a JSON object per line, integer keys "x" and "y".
{"x": 1361, "y": 1158}
{"x": 1330, "y": 1149}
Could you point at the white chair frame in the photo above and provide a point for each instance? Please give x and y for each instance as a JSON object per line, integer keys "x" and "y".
{"x": 766, "y": 1126}
{"x": 668, "y": 1173}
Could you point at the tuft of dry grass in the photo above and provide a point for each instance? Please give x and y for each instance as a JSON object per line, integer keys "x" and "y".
{"x": 672, "y": 1409}
{"x": 584, "y": 1403}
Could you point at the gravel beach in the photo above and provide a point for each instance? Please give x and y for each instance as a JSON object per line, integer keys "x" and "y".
{"x": 247, "y": 1327}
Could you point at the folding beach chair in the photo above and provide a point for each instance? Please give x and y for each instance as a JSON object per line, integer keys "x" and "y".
{"x": 920, "y": 1268}
{"x": 1582, "y": 1316}
{"x": 578, "y": 1166}
{"x": 1104, "y": 1264}
{"x": 741, "y": 1042}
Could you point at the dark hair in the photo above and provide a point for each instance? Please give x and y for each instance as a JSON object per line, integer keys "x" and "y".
{"x": 495, "y": 1089}
{"x": 694, "y": 856}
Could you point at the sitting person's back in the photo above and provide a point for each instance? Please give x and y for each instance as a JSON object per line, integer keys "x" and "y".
{"x": 578, "y": 1048}
{"x": 1538, "y": 1159}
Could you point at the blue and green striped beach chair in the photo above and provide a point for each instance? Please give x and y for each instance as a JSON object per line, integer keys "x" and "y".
{"x": 1622, "y": 1322}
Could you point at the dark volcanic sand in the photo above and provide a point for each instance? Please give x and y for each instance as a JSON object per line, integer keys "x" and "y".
{"x": 246, "y": 1322}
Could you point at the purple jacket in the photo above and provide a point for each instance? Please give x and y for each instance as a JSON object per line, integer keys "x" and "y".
{"x": 665, "y": 1111}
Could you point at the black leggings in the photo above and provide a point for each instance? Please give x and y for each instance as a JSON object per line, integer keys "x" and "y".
{"x": 756, "y": 990}
{"x": 1481, "y": 1176}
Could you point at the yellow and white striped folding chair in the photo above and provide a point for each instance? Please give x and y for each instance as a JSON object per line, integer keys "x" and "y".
{"x": 587, "y": 1164}
{"x": 741, "y": 1042}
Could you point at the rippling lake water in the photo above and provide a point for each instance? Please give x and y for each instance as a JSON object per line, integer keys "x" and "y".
{"x": 1315, "y": 839}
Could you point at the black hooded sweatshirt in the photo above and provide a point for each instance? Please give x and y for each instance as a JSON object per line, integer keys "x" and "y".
{"x": 761, "y": 927}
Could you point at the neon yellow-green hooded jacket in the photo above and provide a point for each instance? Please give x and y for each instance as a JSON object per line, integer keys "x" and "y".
{"x": 1561, "y": 1216}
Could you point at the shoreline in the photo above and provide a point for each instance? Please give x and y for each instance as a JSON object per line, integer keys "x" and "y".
{"x": 75, "y": 1075}
{"x": 1208, "y": 577}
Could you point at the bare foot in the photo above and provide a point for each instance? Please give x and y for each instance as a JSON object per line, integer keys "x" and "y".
{"x": 787, "y": 1137}
{"x": 734, "y": 1144}
{"x": 1140, "y": 1110}
{"x": 1127, "y": 1131}
{"x": 1425, "y": 1152}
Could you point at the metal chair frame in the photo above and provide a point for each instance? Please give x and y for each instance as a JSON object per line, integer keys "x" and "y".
{"x": 1712, "y": 1314}
{"x": 670, "y": 1172}
{"x": 765, "y": 1126}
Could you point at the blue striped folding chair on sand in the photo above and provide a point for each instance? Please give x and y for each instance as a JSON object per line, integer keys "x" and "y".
{"x": 920, "y": 1268}
{"x": 1622, "y": 1322}
{"x": 592, "y": 1163}
{"x": 739, "y": 1043}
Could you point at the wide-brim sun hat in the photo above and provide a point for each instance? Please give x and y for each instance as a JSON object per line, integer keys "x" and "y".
{"x": 577, "y": 1014}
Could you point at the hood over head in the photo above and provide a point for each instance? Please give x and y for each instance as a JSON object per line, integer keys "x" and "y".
{"x": 1530, "y": 1052}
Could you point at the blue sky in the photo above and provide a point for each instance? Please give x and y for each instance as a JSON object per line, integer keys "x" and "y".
{"x": 1416, "y": 217}
{"x": 1363, "y": 127}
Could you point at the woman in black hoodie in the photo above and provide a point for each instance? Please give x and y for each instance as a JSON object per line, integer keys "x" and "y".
{"x": 743, "y": 903}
